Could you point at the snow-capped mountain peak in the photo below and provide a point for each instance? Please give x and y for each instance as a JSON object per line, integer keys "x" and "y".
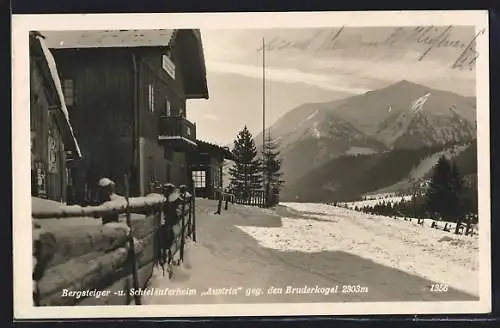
{"x": 418, "y": 104}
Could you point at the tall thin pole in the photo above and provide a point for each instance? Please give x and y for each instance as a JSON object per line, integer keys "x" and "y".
{"x": 263, "y": 108}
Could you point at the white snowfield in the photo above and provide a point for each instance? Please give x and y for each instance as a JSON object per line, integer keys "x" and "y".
{"x": 436, "y": 255}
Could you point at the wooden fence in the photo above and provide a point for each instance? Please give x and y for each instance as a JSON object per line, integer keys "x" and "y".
{"x": 253, "y": 198}
{"x": 79, "y": 260}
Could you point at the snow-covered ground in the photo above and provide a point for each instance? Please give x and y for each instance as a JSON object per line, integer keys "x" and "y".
{"x": 433, "y": 254}
{"x": 379, "y": 199}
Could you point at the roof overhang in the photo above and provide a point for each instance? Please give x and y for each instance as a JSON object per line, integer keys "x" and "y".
{"x": 210, "y": 148}
{"x": 192, "y": 61}
{"x": 193, "y": 64}
{"x": 52, "y": 77}
{"x": 109, "y": 38}
{"x": 186, "y": 140}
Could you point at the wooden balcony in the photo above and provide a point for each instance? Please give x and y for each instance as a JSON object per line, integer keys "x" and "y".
{"x": 176, "y": 131}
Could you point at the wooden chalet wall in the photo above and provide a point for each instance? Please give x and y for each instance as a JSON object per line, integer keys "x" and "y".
{"x": 165, "y": 88}
{"x": 101, "y": 113}
{"x": 48, "y": 163}
{"x": 112, "y": 118}
{"x": 160, "y": 165}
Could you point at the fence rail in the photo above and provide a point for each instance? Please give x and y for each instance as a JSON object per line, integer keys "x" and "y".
{"x": 153, "y": 238}
{"x": 252, "y": 198}
{"x": 117, "y": 206}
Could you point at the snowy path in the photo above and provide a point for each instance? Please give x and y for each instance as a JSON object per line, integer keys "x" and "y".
{"x": 247, "y": 251}
{"x": 433, "y": 254}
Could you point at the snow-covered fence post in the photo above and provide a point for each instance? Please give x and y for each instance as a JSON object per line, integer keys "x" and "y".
{"x": 190, "y": 218}
{"x": 167, "y": 231}
{"x": 219, "y": 201}
{"x": 193, "y": 206}
{"x": 468, "y": 223}
{"x": 184, "y": 198}
{"x": 106, "y": 193}
{"x": 158, "y": 258}
{"x": 133, "y": 260}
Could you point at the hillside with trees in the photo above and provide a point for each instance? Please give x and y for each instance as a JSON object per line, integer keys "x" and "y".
{"x": 448, "y": 197}
{"x": 347, "y": 178}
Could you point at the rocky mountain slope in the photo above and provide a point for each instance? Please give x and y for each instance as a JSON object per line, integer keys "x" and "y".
{"x": 348, "y": 177}
{"x": 401, "y": 116}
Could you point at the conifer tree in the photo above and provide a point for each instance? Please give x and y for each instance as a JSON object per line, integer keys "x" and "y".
{"x": 272, "y": 175}
{"x": 446, "y": 191}
{"x": 246, "y": 173}
{"x": 457, "y": 196}
{"x": 439, "y": 189}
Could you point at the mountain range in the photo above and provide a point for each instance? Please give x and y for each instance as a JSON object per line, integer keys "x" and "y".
{"x": 382, "y": 135}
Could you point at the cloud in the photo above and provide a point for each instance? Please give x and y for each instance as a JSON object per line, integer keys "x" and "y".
{"x": 210, "y": 117}
{"x": 287, "y": 75}
{"x": 355, "y": 75}
{"x": 350, "y": 67}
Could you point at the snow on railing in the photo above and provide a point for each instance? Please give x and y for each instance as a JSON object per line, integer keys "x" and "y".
{"x": 119, "y": 205}
{"x": 57, "y": 251}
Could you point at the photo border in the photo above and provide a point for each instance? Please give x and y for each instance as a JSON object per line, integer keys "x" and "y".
{"x": 22, "y": 228}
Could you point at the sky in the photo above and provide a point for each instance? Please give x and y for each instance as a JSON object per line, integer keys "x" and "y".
{"x": 317, "y": 65}
{"x": 305, "y": 65}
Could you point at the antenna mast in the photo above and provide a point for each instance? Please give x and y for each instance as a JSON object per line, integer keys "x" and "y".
{"x": 263, "y": 107}
{"x": 263, "y": 92}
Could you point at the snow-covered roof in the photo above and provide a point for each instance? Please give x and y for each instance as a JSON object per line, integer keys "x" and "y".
{"x": 224, "y": 151}
{"x": 195, "y": 86}
{"x": 51, "y": 64}
{"x": 109, "y": 38}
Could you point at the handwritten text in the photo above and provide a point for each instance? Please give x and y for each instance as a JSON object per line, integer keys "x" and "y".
{"x": 431, "y": 37}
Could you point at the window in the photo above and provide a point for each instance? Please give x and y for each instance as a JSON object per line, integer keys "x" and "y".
{"x": 168, "y": 66}
{"x": 69, "y": 181}
{"x": 41, "y": 190}
{"x": 199, "y": 179}
{"x": 167, "y": 107}
{"x": 188, "y": 131}
{"x": 52, "y": 153}
{"x": 69, "y": 92}
{"x": 151, "y": 97}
